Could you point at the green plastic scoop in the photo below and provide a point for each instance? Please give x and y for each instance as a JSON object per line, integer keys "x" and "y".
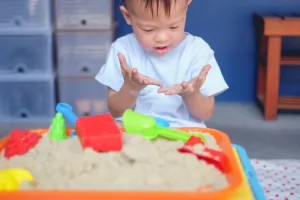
{"x": 136, "y": 123}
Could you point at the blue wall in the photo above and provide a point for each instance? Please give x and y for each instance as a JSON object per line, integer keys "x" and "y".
{"x": 228, "y": 28}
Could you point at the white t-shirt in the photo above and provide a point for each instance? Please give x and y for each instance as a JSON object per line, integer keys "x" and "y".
{"x": 180, "y": 64}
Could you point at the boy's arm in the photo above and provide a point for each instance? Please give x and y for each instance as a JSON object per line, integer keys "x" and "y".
{"x": 124, "y": 82}
{"x": 120, "y": 101}
{"x": 199, "y": 106}
{"x": 126, "y": 97}
{"x": 110, "y": 75}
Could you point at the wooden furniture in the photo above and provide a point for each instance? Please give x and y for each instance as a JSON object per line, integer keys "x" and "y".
{"x": 269, "y": 31}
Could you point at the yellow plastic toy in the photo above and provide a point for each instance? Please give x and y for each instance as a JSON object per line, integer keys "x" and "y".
{"x": 11, "y": 179}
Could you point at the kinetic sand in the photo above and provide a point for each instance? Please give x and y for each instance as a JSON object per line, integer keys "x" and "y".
{"x": 141, "y": 165}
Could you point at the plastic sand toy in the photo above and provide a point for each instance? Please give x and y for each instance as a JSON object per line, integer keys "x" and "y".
{"x": 161, "y": 122}
{"x": 10, "y": 179}
{"x": 73, "y": 134}
{"x": 147, "y": 126}
{"x": 213, "y": 157}
{"x": 98, "y": 132}
{"x": 20, "y": 142}
{"x": 66, "y": 110}
{"x": 58, "y": 128}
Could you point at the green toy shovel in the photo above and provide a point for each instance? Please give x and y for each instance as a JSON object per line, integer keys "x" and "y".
{"x": 136, "y": 123}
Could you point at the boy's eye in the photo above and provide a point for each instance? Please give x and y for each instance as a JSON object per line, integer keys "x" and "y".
{"x": 147, "y": 30}
{"x": 174, "y": 27}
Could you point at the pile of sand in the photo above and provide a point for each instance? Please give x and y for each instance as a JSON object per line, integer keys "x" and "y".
{"x": 141, "y": 165}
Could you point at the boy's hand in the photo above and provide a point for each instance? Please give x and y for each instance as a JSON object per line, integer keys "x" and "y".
{"x": 187, "y": 88}
{"x": 135, "y": 80}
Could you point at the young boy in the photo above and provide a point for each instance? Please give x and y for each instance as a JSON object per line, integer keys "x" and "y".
{"x": 160, "y": 70}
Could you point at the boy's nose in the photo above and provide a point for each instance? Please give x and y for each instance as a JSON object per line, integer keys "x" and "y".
{"x": 161, "y": 38}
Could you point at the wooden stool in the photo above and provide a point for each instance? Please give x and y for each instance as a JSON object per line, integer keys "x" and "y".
{"x": 269, "y": 31}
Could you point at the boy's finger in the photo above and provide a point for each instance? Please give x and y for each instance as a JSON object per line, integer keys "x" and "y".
{"x": 185, "y": 87}
{"x": 205, "y": 71}
{"x": 163, "y": 90}
{"x": 199, "y": 82}
{"x": 142, "y": 81}
{"x": 150, "y": 81}
{"x": 193, "y": 80}
{"x": 154, "y": 82}
{"x": 170, "y": 92}
{"x": 134, "y": 74}
{"x": 174, "y": 90}
{"x": 145, "y": 82}
{"x": 123, "y": 63}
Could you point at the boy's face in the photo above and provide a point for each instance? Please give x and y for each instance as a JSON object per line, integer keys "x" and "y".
{"x": 157, "y": 33}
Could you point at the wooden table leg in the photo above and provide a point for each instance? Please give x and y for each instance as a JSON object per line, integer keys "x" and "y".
{"x": 261, "y": 71}
{"x": 272, "y": 77}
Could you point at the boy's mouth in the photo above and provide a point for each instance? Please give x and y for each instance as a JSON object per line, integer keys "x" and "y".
{"x": 161, "y": 50}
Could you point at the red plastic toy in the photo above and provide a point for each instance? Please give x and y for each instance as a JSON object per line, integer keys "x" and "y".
{"x": 99, "y": 132}
{"x": 213, "y": 157}
{"x": 20, "y": 142}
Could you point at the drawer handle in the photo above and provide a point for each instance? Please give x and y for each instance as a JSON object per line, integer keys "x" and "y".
{"x": 86, "y": 114}
{"x": 85, "y": 69}
{"x": 17, "y": 22}
{"x": 24, "y": 114}
{"x": 83, "y": 22}
{"x": 21, "y": 68}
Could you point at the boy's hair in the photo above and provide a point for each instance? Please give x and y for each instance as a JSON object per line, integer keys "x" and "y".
{"x": 151, "y": 4}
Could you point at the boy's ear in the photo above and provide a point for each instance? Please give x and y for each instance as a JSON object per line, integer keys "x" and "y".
{"x": 125, "y": 14}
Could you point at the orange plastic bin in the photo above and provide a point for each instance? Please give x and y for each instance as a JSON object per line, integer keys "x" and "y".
{"x": 234, "y": 176}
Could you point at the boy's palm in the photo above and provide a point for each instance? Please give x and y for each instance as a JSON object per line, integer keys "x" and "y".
{"x": 133, "y": 78}
{"x": 189, "y": 87}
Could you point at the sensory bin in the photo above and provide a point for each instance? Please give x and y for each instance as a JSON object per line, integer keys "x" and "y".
{"x": 147, "y": 165}
{"x": 77, "y": 164}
